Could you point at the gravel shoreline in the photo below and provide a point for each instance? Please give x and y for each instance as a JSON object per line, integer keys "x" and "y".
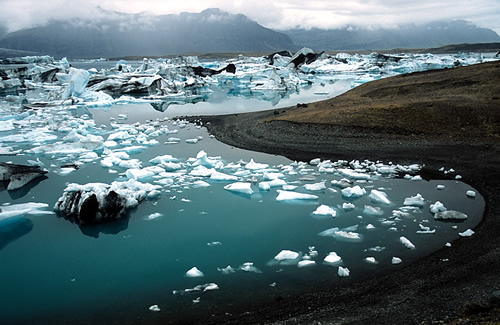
{"x": 453, "y": 285}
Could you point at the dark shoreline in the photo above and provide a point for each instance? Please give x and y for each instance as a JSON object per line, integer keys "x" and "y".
{"x": 451, "y": 285}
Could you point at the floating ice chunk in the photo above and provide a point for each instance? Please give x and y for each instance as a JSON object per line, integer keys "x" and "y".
{"x": 264, "y": 186}
{"x": 440, "y": 187}
{"x": 437, "y": 207}
{"x": 194, "y": 273}
{"x": 467, "y": 233}
{"x": 139, "y": 174}
{"x": 396, "y": 260}
{"x": 192, "y": 141}
{"x": 406, "y": 242}
{"x": 6, "y": 125}
{"x": 218, "y": 176}
{"x": 290, "y": 196}
{"x": 470, "y": 193}
{"x": 379, "y": 197}
{"x": 153, "y": 216}
{"x": 214, "y": 243}
{"x": 373, "y": 211}
{"x": 252, "y": 165}
{"x": 163, "y": 159}
{"x": 343, "y": 271}
{"x": 353, "y": 192}
{"x": 325, "y": 210}
{"x": 202, "y": 159}
{"x": 305, "y": 263}
{"x": 332, "y": 259}
{"x": 387, "y": 169}
{"x": 450, "y": 215}
{"x": 272, "y": 176}
{"x": 154, "y": 308}
{"x": 198, "y": 184}
{"x": 315, "y": 161}
{"x": 227, "y": 270}
{"x": 369, "y": 227}
{"x": 348, "y": 206}
{"x": 288, "y": 187}
{"x": 353, "y": 174}
{"x": 416, "y": 200}
{"x": 425, "y": 230}
{"x": 249, "y": 267}
{"x": 348, "y": 236}
{"x": 201, "y": 171}
{"x": 316, "y": 186}
{"x": 286, "y": 255}
{"x": 240, "y": 187}
{"x": 371, "y": 260}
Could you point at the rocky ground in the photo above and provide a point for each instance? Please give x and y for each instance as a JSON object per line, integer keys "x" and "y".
{"x": 437, "y": 118}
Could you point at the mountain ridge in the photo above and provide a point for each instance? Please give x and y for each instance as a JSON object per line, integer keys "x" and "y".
{"x": 115, "y": 34}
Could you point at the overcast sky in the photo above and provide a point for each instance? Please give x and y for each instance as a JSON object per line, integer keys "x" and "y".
{"x": 277, "y": 14}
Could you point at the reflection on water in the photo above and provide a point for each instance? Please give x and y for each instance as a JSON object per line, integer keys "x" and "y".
{"x": 13, "y": 228}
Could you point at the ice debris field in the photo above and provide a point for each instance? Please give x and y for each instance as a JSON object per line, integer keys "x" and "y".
{"x": 183, "y": 218}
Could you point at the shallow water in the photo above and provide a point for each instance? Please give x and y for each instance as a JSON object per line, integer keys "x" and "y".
{"x": 60, "y": 272}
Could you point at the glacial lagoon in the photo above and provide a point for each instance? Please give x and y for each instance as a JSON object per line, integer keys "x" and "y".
{"x": 224, "y": 226}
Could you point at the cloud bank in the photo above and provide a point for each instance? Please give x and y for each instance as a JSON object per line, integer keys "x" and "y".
{"x": 280, "y": 14}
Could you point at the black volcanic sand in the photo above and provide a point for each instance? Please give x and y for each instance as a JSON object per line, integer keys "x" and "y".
{"x": 447, "y": 118}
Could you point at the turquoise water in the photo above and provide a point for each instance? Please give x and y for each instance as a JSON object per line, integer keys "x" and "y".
{"x": 59, "y": 272}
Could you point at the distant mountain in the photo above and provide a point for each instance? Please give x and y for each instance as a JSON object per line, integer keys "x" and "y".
{"x": 429, "y": 35}
{"x": 121, "y": 34}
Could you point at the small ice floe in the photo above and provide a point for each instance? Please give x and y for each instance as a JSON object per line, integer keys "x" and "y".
{"x": 437, "y": 207}
{"x": 343, "y": 271}
{"x": 416, "y": 200}
{"x": 252, "y": 165}
{"x": 305, "y": 263}
{"x": 218, "y": 176}
{"x": 405, "y": 241}
{"x": 316, "y": 186}
{"x": 343, "y": 183}
{"x": 197, "y": 300}
{"x": 370, "y": 260}
{"x": 154, "y": 308}
{"x": 200, "y": 184}
{"x": 370, "y": 227}
{"x": 325, "y": 210}
{"x": 346, "y": 234}
{"x": 240, "y": 187}
{"x": 153, "y": 216}
{"x": 379, "y": 197}
{"x": 227, "y": 270}
{"x": 194, "y": 272}
{"x": 396, "y": 260}
{"x": 467, "y": 233}
{"x": 447, "y": 244}
{"x": 286, "y": 257}
{"x": 346, "y": 206}
{"x": 440, "y": 187}
{"x": 249, "y": 267}
{"x": 332, "y": 259}
{"x": 354, "y": 174}
{"x": 21, "y": 209}
{"x": 192, "y": 141}
{"x": 457, "y": 177}
{"x": 292, "y": 196}
{"x": 425, "y": 230}
{"x": 353, "y": 192}
{"x": 373, "y": 211}
{"x": 214, "y": 243}
{"x": 470, "y": 193}
{"x": 450, "y": 215}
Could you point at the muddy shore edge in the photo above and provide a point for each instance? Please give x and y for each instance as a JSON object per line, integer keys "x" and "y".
{"x": 430, "y": 118}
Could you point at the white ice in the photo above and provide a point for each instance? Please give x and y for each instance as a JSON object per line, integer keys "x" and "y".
{"x": 450, "y": 215}
{"x": 194, "y": 272}
{"x": 325, "y": 210}
{"x": 379, "y": 197}
{"x": 240, "y": 187}
{"x": 416, "y": 200}
{"x": 343, "y": 271}
{"x": 292, "y": 196}
{"x": 332, "y": 259}
{"x": 353, "y": 192}
{"x": 405, "y": 241}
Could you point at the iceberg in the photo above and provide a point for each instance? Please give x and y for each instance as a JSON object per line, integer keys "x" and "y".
{"x": 416, "y": 200}
{"x": 194, "y": 272}
{"x": 353, "y": 192}
{"x": 343, "y": 271}
{"x": 293, "y": 196}
{"x": 316, "y": 186}
{"x": 240, "y": 187}
{"x": 406, "y": 242}
{"x": 325, "y": 210}
{"x": 19, "y": 175}
{"x": 437, "y": 207}
{"x": 332, "y": 259}
{"x": 450, "y": 215}
{"x": 379, "y": 197}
